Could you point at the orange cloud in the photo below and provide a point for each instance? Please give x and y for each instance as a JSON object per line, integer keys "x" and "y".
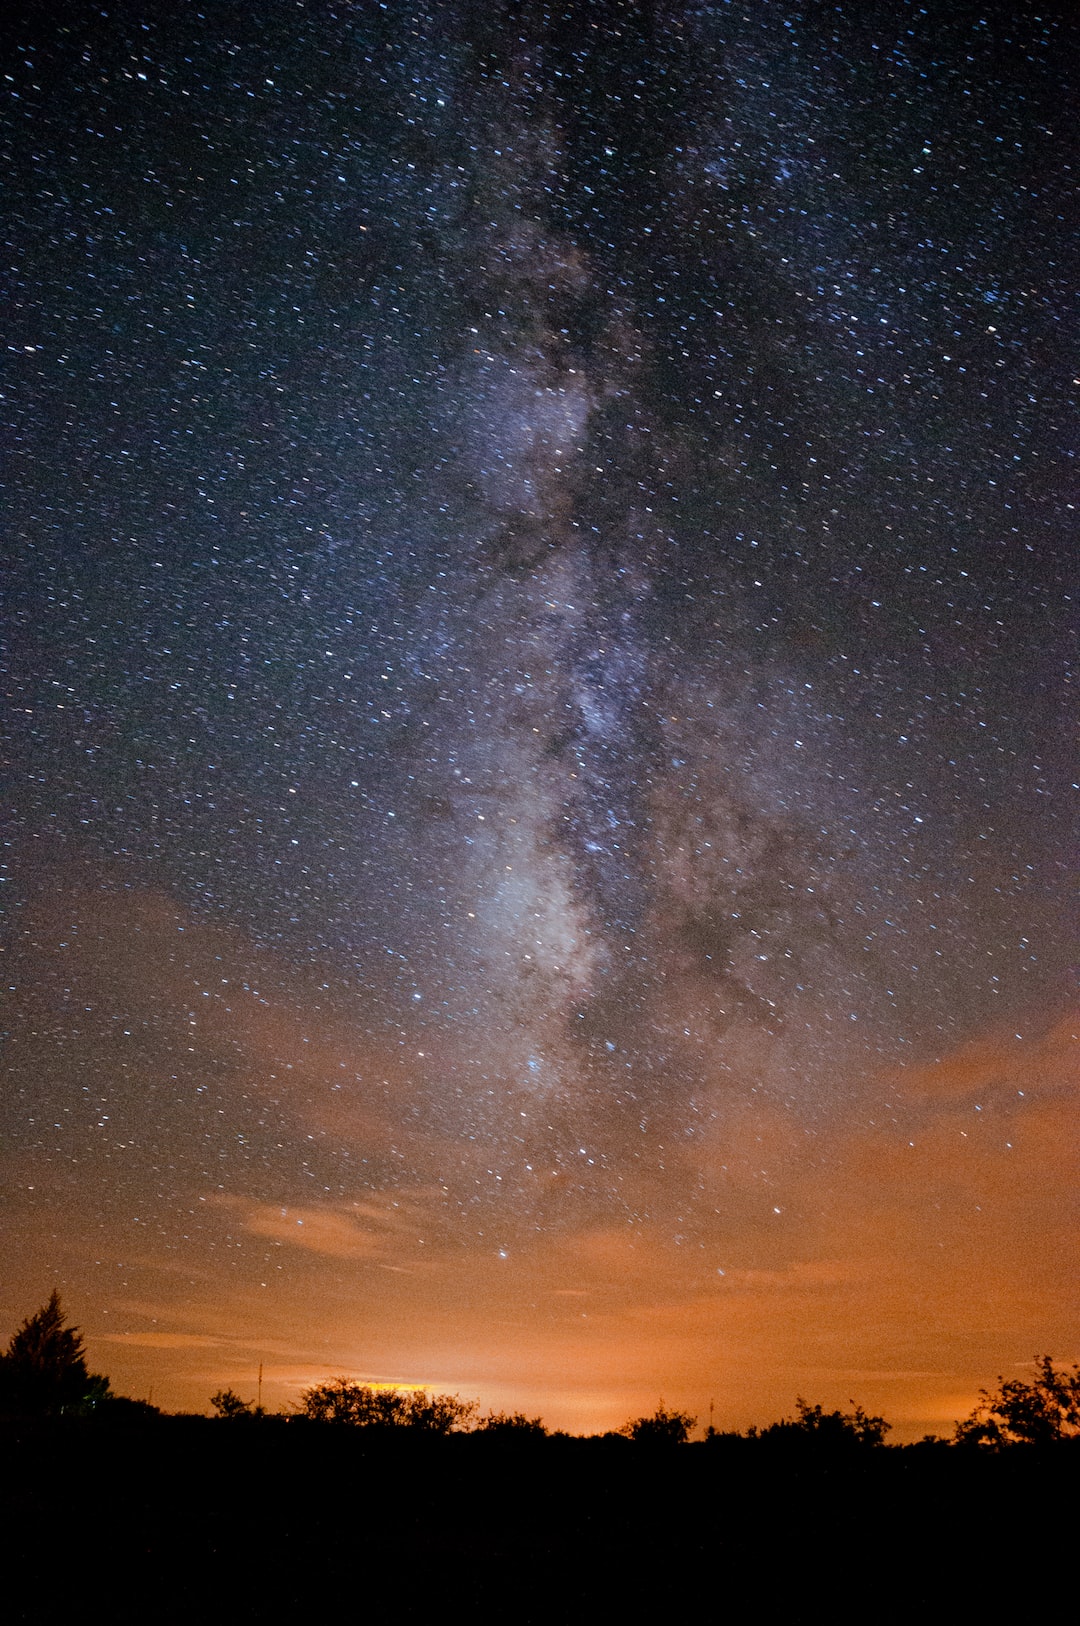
{"x": 161, "y": 1340}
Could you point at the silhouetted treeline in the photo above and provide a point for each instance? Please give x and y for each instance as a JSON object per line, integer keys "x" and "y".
{"x": 43, "y": 1373}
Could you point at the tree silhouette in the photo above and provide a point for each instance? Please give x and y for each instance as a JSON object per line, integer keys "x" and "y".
{"x": 44, "y": 1367}
{"x": 664, "y": 1427}
{"x": 228, "y": 1405}
{"x": 439, "y": 1414}
{"x": 341, "y": 1400}
{"x": 514, "y": 1425}
{"x": 831, "y": 1429}
{"x": 1037, "y": 1413}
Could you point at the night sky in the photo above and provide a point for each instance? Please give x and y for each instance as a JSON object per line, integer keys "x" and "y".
{"x": 539, "y": 756}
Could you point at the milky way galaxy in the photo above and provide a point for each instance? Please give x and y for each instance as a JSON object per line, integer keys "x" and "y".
{"x": 539, "y": 636}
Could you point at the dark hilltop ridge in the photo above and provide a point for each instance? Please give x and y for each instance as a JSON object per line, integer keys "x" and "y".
{"x": 389, "y": 1505}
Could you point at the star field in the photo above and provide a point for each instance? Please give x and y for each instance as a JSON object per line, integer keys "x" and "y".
{"x": 540, "y": 627}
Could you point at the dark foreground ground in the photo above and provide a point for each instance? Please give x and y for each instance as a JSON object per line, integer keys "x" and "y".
{"x": 200, "y": 1521}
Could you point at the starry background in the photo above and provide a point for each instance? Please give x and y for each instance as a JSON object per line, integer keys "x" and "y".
{"x": 539, "y": 752}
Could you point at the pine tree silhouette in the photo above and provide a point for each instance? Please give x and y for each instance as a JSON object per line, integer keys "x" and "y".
{"x": 44, "y": 1368}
